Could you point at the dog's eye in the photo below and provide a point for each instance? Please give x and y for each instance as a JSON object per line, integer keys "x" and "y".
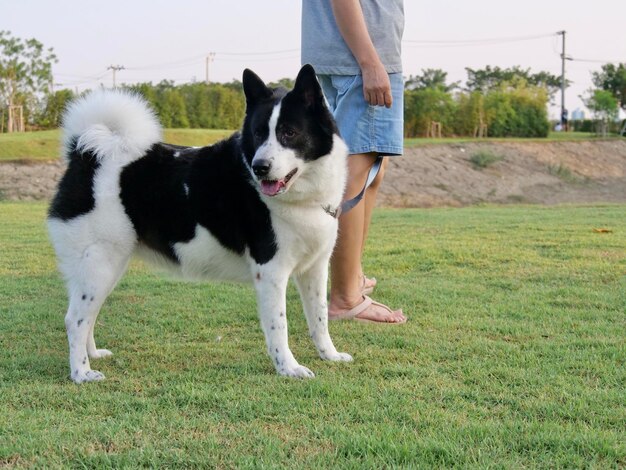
{"x": 289, "y": 133}
{"x": 259, "y": 133}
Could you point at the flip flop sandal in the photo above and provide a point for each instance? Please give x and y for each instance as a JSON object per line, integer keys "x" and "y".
{"x": 367, "y": 290}
{"x": 367, "y": 302}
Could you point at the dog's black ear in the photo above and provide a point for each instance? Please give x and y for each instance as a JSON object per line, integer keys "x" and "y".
{"x": 308, "y": 88}
{"x": 254, "y": 88}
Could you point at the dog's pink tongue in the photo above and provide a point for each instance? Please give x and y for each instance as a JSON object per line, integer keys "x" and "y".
{"x": 271, "y": 188}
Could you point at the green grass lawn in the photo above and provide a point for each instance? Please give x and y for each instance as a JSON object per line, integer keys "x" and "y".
{"x": 46, "y": 145}
{"x": 513, "y": 357}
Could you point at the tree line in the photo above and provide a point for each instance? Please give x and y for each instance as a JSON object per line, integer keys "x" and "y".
{"x": 493, "y": 102}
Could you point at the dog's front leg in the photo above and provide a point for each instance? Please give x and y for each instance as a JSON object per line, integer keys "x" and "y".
{"x": 271, "y": 294}
{"x": 312, "y": 287}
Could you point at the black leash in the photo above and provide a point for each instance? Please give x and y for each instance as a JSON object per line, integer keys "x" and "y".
{"x": 345, "y": 206}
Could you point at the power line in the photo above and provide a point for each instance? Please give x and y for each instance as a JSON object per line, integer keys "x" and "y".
{"x": 264, "y": 59}
{"x": 82, "y": 77}
{"x": 289, "y": 54}
{"x": 285, "y": 51}
{"x": 596, "y": 61}
{"x": 198, "y": 58}
{"x": 476, "y": 42}
{"x": 88, "y": 79}
{"x": 175, "y": 64}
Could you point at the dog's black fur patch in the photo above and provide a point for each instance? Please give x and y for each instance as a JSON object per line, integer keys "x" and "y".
{"x": 74, "y": 196}
{"x": 220, "y": 196}
{"x": 304, "y": 114}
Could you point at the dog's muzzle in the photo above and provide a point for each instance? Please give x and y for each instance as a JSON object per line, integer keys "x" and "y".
{"x": 272, "y": 187}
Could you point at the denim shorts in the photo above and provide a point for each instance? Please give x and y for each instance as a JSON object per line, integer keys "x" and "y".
{"x": 366, "y": 128}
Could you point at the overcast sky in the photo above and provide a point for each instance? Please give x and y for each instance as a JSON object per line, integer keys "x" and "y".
{"x": 159, "y": 39}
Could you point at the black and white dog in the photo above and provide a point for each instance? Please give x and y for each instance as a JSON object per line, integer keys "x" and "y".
{"x": 255, "y": 207}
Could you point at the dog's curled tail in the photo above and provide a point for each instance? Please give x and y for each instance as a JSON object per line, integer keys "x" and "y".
{"x": 112, "y": 124}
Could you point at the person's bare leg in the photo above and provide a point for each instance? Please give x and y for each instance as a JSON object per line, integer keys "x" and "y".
{"x": 370, "y": 202}
{"x": 345, "y": 264}
{"x": 369, "y": 198}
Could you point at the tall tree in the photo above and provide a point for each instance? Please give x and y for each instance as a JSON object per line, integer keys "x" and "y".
{"x": 612, "y": 78}
{"x": 25, "y": 69}
{"x": 489, "y": 78}
{"x": 425, "y": 105}
{"x": 52, "y": 112}
{"x": 430, "y": 78}
{"x": 604, "y": 106}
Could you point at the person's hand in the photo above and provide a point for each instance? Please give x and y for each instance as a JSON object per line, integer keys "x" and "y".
{"x": 376, "y": 85}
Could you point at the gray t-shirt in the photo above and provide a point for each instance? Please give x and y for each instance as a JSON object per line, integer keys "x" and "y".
{"x": 324, "y": 48}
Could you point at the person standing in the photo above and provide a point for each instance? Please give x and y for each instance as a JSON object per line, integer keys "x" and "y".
{"x": 354, "y": 46}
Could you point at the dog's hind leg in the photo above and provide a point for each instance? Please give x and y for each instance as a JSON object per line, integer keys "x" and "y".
{"x": 271, "y": 294}
{"x": 92, "y": 280}
{"x": 312, "y": 286}
{"x": 92, "y": 351}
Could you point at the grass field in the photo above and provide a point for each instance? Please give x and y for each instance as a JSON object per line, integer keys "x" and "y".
{"x": 513, "y": 357}
{"x": 45, "y": 145}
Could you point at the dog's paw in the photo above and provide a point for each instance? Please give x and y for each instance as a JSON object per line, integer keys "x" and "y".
{"x": 84, "y": 376}
{"x": 298, "y": 371}
{"x": 100, "y": 353}
{"x": 337, "y": 356}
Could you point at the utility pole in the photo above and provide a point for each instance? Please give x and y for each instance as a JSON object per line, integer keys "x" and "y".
{"x": 115, "y": 68}
{"x": 209, "y": 59}
{"x": 563, "y": 119}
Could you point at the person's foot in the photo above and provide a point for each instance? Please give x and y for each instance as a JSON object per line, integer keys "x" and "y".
{"x": 366, "y": 310}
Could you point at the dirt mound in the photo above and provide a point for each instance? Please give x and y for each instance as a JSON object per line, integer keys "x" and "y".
{"x": 444, "y": 175}
{"x": 524, "y": 172}
{"x": 27, "y": 181}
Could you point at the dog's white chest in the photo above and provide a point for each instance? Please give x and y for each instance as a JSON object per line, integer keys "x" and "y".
{"x": 304, "y": 236}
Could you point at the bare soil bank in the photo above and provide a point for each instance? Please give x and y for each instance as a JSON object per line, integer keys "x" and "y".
{"x": 443, "y": 175}
{"x": 526, "y": 172}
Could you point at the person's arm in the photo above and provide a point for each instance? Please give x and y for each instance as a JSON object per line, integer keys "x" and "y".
{"x": 351, "y": 23}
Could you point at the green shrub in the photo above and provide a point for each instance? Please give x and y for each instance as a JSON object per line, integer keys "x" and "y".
{"x": 513, "y": 109}
{"x": 425, "y": 105}
{"x": 582, "y": 125}
{"x": 196, "y": 105}
{"x": 469, "y": 111}
{"x": 517, "y": 110}
{"x": 564, "y": 173}
{"x": 484, "y": 159}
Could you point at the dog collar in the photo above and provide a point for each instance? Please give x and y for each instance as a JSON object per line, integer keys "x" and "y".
{"x": 334, "y": 213}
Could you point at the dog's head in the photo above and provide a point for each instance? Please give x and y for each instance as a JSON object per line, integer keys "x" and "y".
{"x": 284, "y": 132}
